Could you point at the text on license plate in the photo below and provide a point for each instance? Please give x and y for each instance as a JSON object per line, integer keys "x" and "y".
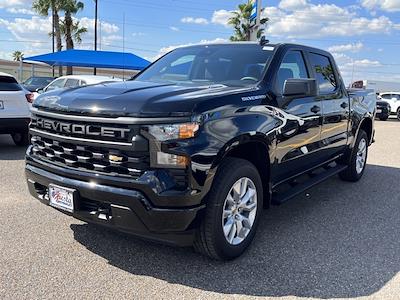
{"x": 62, "y": 198}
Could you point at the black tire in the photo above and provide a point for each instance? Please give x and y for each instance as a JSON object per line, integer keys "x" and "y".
{"x": 398, "y": 114}
{"x": 351, "y": 174}
{"x": 20, "y": 138}
{"x": 384, "y": 118}
{"x": 210, "y": 239}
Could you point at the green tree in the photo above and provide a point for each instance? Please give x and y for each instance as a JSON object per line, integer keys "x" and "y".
{"x": 241, "y": 23}
{"x": 76, "y": 32}
{"x": 18, "y": 56}
{"x": 53, "y": 7}
{"x": 71, "y": 29}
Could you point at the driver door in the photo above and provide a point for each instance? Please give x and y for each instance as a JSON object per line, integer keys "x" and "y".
{"x": 299, "y": 137}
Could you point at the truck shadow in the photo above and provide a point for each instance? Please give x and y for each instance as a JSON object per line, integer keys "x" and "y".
{"x": 340, "y": 241}
{"x": 8, "y": 150}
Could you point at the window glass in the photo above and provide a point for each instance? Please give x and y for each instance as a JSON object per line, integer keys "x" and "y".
{"x": 82, "y": 82}
{"x": 71, "y": 83}
{"x": 292, "y": 66}
{"x": 238, "y": 65}
{"x": 9, "y": 84}
{"x": 387, "y": 96}
{"x": 56, "y": 84}
{"x": 324, "y": 73}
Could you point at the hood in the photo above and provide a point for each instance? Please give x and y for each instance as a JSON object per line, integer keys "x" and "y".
{"x": 136, "y": 98}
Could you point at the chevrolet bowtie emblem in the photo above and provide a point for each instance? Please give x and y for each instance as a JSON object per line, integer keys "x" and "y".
{"x": 115, "y": 158}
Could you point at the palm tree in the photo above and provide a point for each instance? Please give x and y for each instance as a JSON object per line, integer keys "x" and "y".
{"x": 76, "y": 32}
{"x": 71, "y": 29}
{"x": 241, "y": 23}
{"x": 18, "y": 56}
{"x": 43, "y": 7}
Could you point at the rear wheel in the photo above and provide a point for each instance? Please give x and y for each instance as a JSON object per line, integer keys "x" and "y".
{"x": 398, "y": 114}
{"x": 358, "y": 159}
{"x": 20, "y": 138}
{"x": 384, "y": 118}
{"x": 232, "y": 211}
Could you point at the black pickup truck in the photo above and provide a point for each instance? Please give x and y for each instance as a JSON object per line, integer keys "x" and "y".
{"x": 192, "y": 149}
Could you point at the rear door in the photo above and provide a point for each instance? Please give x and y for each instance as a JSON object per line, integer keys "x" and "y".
{"x": 335, "y": 104}
{"x": 299, "y": 142}
{"x": 13, "y": 103}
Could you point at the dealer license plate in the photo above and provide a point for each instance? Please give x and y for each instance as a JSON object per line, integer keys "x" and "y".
{"x": 62, "y": 198}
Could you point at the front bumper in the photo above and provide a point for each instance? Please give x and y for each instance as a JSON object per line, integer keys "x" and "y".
{"x": 123, "y": 209}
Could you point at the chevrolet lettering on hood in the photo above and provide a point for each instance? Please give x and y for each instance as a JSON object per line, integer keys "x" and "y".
{"x": 80, "y": 129}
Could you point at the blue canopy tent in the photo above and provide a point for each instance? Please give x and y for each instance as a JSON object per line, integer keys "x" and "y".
{"x": 92, "y": 59}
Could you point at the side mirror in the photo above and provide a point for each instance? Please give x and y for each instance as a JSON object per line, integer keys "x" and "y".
{"x": 39, "y": 91}
{"x": 300, "y": 88}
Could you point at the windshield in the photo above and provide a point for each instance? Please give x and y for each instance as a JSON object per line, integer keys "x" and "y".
{"x": 231, "y": 65}
{"x": 38, "y": 81}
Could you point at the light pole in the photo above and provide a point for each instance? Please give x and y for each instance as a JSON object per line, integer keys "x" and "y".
{"x": 52, "y": 35}
{"x": 257, "y": 7}
{"x": 95, "y": 32}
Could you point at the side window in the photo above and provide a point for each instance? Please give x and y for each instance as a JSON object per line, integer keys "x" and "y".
{"x": 292, "y": 66}
{"x": 386, "y": 96}
{"x": 56, "y": 84}
{"x": 71, "y": 83}
{"x": 324, "y": 73}
{"x": 82, "y": 82}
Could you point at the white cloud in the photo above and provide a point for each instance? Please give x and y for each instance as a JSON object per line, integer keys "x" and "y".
{"x": 292, "y": 4}
{"x": 14, "y": 3}
{"x": 135, "y": 34}
{"x": 365, "y": 63}
{"x": 354, "y": 47}
{"x": 221, "y": 17}
{"x": 324, "y": 20}
{"x": 191, "y": 20}
{"x": 31, "y": 35}
{"x": 315, "y": 21}
{"x": 386, "y": 5}
{"x": 173, "y": 28}
{"x": 167, "y": 49}
{"x": 22, "y": 11}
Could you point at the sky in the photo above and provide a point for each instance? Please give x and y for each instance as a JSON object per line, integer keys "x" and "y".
{"x": 363, "y": 35}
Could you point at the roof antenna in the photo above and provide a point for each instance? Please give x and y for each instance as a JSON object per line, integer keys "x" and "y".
{"x": 263, "y": 41}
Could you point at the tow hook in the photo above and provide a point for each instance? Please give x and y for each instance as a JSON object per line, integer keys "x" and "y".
{"x": 102, "y": 214}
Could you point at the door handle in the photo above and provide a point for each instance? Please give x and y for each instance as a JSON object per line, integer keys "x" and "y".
{"x": 315, "y": 109}
{"x": 344, "y": 105}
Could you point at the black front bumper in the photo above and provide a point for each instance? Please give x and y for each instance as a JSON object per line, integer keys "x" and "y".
{"x": 123, "y": 209}
{"x": 13, "y": 125}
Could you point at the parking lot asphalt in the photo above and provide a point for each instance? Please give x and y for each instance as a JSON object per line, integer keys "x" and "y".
{"x": 339, "y": 240}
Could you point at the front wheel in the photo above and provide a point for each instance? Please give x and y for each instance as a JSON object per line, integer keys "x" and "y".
{"x": 398, "y": 114}
{"x": 232, "y": 211}
{"x": 358, "y": 159}
{"x": 20, "y": 138}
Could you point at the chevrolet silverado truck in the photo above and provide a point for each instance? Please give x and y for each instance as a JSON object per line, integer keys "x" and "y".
{"x": 192, "y": 149}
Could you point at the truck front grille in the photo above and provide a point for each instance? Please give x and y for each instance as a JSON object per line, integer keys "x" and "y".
{"x": 105, "y": 160}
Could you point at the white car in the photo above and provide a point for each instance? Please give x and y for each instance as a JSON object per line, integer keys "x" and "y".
{"x": 71, "y": 81}
{"x": 393, "y": 98}
{"x": 15, "y": 113}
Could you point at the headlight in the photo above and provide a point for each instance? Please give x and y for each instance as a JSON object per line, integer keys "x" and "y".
{"x": 173, "y": 131}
